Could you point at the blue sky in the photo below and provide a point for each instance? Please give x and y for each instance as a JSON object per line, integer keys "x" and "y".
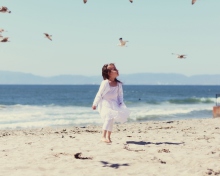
{"x": 85, "y": 36}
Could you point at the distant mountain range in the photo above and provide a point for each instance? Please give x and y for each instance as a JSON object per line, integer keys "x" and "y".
{"x": 8, "y": 77}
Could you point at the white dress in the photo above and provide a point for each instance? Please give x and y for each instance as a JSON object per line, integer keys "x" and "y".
{"x": 112, "y": 108}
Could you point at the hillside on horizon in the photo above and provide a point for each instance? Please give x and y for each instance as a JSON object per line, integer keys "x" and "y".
{"x": 9, "y": 77}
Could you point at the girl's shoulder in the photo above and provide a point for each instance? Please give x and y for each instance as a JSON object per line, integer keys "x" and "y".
{"x": 120, "y": 83}
{"x": 104, "y": 82}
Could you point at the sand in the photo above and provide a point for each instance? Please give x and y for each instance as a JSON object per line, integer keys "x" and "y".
{"x": 164, "y": 148}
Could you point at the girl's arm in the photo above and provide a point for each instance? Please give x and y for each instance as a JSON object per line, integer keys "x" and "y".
{"x": 98, "y": 96}
{"x": 120, "y": 94}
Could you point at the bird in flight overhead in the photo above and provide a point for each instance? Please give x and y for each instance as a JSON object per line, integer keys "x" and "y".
{"x": 5, "y": 39}
{"x": 180, "y": 56}
{"x": 85, "y": 1}
{"x": 193, "y": 2}
{"x": 131, "y": 1}
{"x": 48, "y": 36}
{"x": 2, "y": 30}
{"x": 122, "y": 42}
{"x": 4, "y": 10}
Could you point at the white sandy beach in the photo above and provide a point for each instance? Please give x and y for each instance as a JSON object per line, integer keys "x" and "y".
{"x": 167, "y": 148}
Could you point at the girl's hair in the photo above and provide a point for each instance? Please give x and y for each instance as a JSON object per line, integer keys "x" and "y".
{"x": 106, "y": 71}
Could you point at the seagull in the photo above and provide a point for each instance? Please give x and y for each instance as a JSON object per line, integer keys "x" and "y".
{"x": 180, "y": 56}
{"x": 131, "y": 1}
{"x": 48, "y": 36}
{"x": 5, "y": 39}
{"x": 85, "y": 1}
{"x": 4, "y": 10}
{"x": 193, "y": 2}
{"x": 122, "y": 43}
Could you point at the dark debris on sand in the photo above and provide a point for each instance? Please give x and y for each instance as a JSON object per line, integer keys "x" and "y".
{"x": 78, "y": 156}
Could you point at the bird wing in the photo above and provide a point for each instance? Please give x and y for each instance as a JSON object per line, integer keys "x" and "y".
{"x": 4, "y": 8}
{"x": 46, "y": 34}
{"x": 5, "y": 39}
{"x": 193, "y": 2}
{"x": 85, "y": 1}
{"x": 182, "y": 56}
{"x": 122, "y": 42}
{"x": 131, "y": 1}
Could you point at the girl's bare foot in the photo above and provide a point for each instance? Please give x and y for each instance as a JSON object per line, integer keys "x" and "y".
{"x": 103, "y": 139}
{"x": 108, "y": 140}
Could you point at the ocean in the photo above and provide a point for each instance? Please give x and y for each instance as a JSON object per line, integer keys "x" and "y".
{"x": 34, "y": 106}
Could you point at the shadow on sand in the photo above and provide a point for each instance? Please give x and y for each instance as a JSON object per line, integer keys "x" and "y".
{"x": 147, "y": 143}
{"x": 115, "y": 166}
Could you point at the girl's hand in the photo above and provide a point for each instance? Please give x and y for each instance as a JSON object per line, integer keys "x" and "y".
{"x": 94, "y": 107}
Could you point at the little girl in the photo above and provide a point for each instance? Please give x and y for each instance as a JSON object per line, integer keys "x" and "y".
{"x": 109, "y": 100}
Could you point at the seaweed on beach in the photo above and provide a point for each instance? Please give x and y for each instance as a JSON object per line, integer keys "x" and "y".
{"x": 211, "y": 171}
{"x": 78, "y": 156}
{"x": 164, "y": 150}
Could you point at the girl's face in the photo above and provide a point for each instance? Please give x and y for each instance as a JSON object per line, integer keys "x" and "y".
{"x": 114, "y": 72}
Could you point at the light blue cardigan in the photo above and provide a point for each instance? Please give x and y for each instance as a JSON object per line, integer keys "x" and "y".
{"x": 103, "y": 89}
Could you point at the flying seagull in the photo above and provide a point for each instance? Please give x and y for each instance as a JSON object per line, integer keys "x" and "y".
{"x": 48, "y": 36}
{"x": 193, "y": 2}
{"x": 131, "y": 1}
{"x": 2, "y": 30}
{"x": 180, "y": 56}
{"x": 5, "y": 39}
{"x": 85, "y": 1}
{"x": 122, "y": 42}
{"x": 4, "y": 10}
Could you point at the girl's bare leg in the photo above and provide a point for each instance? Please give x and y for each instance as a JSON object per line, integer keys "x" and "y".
{"x": 106, "y": 136}
{"x": 107, "y": 130}
{"x": 104, "y": 132}
{"x": 109, "y": 136}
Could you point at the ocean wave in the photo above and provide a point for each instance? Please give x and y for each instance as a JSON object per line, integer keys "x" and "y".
{"x": 23, "y": 116}
{"x": 192, "y": 100}
{"x": 189, "y": 114}
{"x": 161, "y": 101}
{"x": 2, "y": 106}
{"x": 26, "y": 116}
